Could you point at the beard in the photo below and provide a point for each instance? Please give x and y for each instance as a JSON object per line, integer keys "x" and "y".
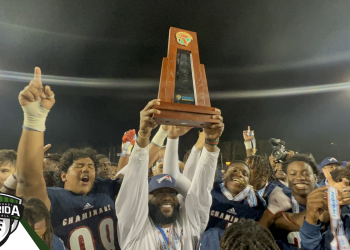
{"x": 158, "y": 217}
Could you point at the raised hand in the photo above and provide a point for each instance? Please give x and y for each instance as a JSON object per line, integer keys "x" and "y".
{"x": 35, "y": 92}
{"x": 177, "y": 131}
{"x": 344, "y": 196}
{"x": 201, "y": 141}
{"x": 129, "y": 136}
{"x": 338, "y": 185}
{"x": 316, "y": 204}
{"x": 166, "y": 127}
{"x": 342, "y": 187}
{"x": 215, "y": 131}
{"x": 247, "y": 137}
{"x": 147, "y": 122}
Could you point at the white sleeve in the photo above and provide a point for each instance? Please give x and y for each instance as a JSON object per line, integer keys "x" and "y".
{"x": 122, "y": 171}
{"x": 278, "y": 201}
{"x": 191, "y": 163}
{"x": 132, "y": 202}
{"x": 198, "y": 200}
{"x": 171, "y": 165}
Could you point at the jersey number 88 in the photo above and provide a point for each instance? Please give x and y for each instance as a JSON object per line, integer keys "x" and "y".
{"x": 83, "y": 239}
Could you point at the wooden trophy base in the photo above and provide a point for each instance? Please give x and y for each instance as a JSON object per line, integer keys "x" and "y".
{"x": 185, "y": 115}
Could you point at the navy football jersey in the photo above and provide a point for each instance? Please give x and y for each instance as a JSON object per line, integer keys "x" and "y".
{"x": 57, "y": 243}
{"x": 266, "y": 191}
{"x": 86, "y": 222}
{"x": 322, "y": 182}
{"x": 288, "y": 192}
{"x": 224, "y": 212}
{"x": 345, "y": 210}
{"x": 219, "y": 176}
{"x": 210, "y": 239}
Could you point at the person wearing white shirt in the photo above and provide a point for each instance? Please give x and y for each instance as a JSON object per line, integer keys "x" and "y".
{"x": 150, "y": 216}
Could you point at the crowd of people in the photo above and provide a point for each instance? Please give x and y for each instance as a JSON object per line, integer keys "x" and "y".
{"x": 152, "y": 200}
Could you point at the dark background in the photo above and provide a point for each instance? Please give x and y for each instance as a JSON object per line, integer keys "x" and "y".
{"x": 245, "y": 46}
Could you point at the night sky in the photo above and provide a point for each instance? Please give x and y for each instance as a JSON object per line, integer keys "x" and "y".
{"x": 245, "y": 46}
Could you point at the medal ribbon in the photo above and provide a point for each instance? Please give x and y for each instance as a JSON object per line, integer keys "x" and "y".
{"x": 247, "y": 192}
{"x": 339, "y": 241}
{"x": 295, "y": 206}
{"x": 262, "y": 191}
{"x": 296, "y": 210}
{"x": 171, "y": 243}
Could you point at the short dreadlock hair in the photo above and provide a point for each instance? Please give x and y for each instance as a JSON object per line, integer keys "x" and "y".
{"x": 53, "y": 157}
{"x": 35, "y": 211}
{"x": 262, "y": 166}
{"x": 68, "y": 159}
{"x": 304, "y": 158}
{"x": 247, "y": 235}
{"x": 7, "y": 155}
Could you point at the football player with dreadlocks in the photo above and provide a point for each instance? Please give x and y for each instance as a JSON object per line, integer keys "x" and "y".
{"x": 242, "y": 235}
{"x": 247, "y": 234}
{"x": 262, "y": 175}
{"x": 38, "y": 217}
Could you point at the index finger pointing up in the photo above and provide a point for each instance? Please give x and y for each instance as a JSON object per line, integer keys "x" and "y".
{"x": 37, "y": 74}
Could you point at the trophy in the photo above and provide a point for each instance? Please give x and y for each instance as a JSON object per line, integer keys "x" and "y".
{"x": 183, "y": 88}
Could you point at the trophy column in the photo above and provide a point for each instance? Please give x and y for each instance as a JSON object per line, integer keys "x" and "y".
{"x": 183, "y": 88}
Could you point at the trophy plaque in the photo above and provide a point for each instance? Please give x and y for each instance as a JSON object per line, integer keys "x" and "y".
{"x": 183, "y": 88}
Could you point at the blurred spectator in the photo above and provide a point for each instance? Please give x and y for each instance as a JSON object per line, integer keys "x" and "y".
{"x": 51, "y": 161}
{"x": 104, "y": 170}
{"x": 8, "y": 159}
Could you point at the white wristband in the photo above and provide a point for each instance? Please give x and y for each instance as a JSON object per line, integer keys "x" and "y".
{"x": 160, "y": 137}
{"x": 11, "y": 182}
{"x": 248, "y": 144}
{"x": 35, "y": 116}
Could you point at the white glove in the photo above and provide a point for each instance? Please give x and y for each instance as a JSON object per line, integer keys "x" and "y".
{"x": 278, "y": 201}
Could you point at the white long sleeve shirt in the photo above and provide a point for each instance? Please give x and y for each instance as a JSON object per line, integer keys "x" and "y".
{"x": 171, "y": 165}
{"x": 191, "y": 163}
{"x": 136, "y": 229}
